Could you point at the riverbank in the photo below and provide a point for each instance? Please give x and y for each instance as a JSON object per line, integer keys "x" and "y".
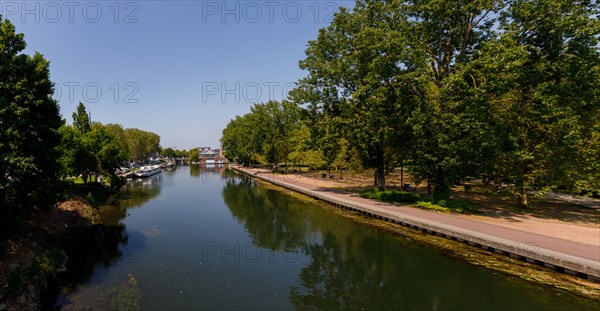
{"x": 522, "y": 245}
{"x": 31, "y": 261}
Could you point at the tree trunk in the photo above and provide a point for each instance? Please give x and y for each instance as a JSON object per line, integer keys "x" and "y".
{"x": 380, "y": 177}
{"x": 523, "y": 198}
{"x": 402, "y": 175}
{"x": 485, "y": 179}
{"x": 428, "y": 187}
{"x": 523, "y": 185}
{"x": 375, "y": 178}
{"x": 441, "y": 189}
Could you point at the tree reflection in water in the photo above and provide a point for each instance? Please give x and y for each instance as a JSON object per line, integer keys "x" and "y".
{"x": 353, "y": 266}
{"x": 133, "y": 194}
{"x": 350, "y": 268}
{"x": 107, "y": 242}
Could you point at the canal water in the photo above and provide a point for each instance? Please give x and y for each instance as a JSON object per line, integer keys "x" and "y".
{"x": 205, "y": 239}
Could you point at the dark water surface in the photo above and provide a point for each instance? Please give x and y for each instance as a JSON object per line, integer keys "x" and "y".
{"x": 203, "y": 239}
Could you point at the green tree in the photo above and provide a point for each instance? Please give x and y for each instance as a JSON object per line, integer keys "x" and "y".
{"x": 141, "y": 144}
{"x": 194, "y": 155}
{"x": 353, "y": 86}
{"x": 81, "y": 119}
{"x": 169, "y": 153}
{"x": 303, "y": 151}
{"x": 106, "y": 151}
{"x": 29, "y": 120}
{"x": 443, "y": 35}
{"x": 544, "y": 72}
{"x": 265, "y": 131}
{"x": 75, "y": 158}
{"x": 279, "y": 120}
{"x": 241, "y": 140}
{"x": 91, "y": 149}
{"x": 118, "y": 132}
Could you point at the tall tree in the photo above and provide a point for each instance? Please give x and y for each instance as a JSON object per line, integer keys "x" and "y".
{"x": 81, "y": 119}
{"x": 29, "y": 120}
{"x": 544, "y": 72}
{"x": 352, "y": 82}
{"x": 443, "y": 35}
{"x": 194, "y": 155}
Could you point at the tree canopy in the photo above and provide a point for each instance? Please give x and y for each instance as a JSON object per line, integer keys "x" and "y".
{"x": 450, "y": 89}
{"x": 29, "y": 120}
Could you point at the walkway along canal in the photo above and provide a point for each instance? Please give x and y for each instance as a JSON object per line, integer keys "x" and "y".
{"x": 562, "y": 255}
{"x": 202, "y": 238}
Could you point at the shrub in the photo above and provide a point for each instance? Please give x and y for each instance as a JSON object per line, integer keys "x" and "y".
{"x": 461, "y": 206}
{"x": 432, "y": 206}
{"x": 391, "y": 196}
{"x": 457, "y": 206}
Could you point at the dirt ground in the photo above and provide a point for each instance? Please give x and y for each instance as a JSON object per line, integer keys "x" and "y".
{"x": 555, "y": 216}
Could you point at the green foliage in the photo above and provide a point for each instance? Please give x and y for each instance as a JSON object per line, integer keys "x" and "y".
{"x": 81, "y": 119}
{"x": 29, "y": 120}
{"x": 540, "y": 78}
{"x": 41, "y": 268}
{"x": 391, "y": 196}
{"x": 455, "y": 206}
{"x": 141, "y": 144}
{"x": 94, "y": 193}
{"x": 458, "y": 88}
{"x": 91, "y": 152}
{"x": 441, "y": 195}
{"x": 194, "y": 154}
{"x": 271, "y": 130}
{"x": 95, "y": 149}
{"x": 174, "y": 153}
{"x": 351, "y": 89}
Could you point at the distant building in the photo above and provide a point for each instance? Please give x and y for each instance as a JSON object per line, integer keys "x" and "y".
{"x": 207, "y": 155}
{"x": 207, "y": 152}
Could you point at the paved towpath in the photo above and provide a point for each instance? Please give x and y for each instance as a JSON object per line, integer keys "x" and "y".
{"x": 537, "y": 246}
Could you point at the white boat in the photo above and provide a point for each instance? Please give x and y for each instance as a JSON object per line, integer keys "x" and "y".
{"x": 147, "y": 171}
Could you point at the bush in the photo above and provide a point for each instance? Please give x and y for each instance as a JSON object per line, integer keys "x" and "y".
{"x": 391, "y": 196}
{"x": 432, "y": 206}
{"x": 457, "y": 206}
{"x": 461, "y": 206}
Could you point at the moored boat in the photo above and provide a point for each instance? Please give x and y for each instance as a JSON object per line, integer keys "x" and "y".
{"x": 147, "y": 171}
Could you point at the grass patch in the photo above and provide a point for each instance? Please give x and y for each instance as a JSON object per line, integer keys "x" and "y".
{"x": 391, "y": 196}
{"x": 454, "y": 206}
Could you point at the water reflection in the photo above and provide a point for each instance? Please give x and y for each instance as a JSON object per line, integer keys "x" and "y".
{"x": 101, "y": 245}
{"x": 109, "y": 242}
{"x": 354, "y": 266}
{"x": 207, "y": 171}
{"x": 275, "y": 224}
{"x": 133, "y": 194}
{"x": 209, "y": 239}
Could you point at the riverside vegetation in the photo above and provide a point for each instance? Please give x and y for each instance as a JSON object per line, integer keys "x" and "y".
{"x": 39, "y": 152}
{"x": 448, "y": 90}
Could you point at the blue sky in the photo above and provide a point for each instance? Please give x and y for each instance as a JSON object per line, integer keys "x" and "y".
{"x": 181, "y": 69}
